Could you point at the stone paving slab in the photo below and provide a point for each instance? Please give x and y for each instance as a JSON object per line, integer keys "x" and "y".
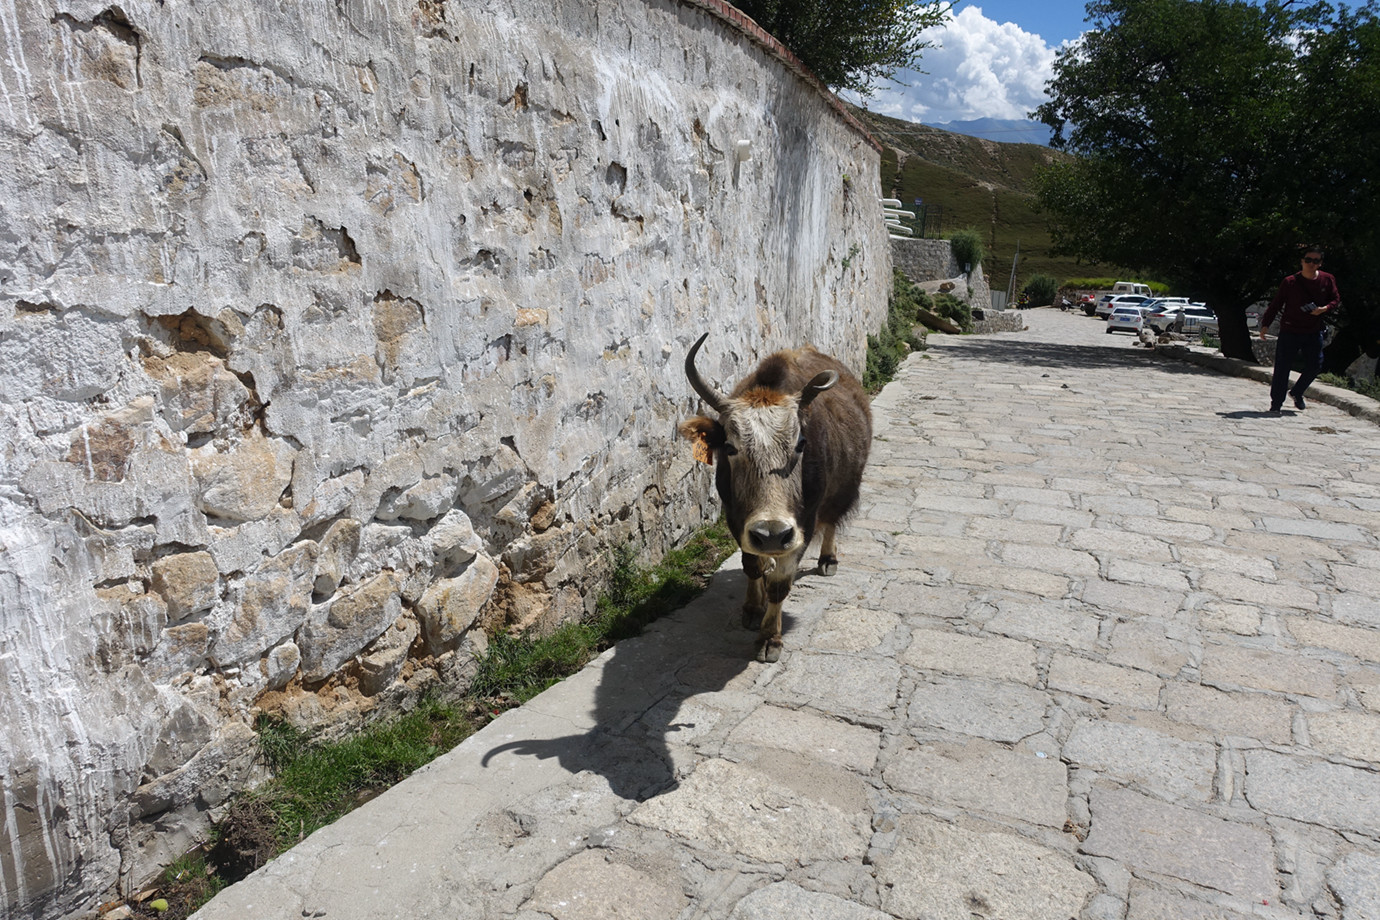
{"x": 1103, "y": 645}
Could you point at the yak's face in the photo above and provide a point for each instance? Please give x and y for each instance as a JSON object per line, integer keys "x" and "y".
{"x": 759, "y": 444}
{"x": 761, "y": 456}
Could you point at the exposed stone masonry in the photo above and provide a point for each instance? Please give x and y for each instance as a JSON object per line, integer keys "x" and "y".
{"x": 333, "y": 331}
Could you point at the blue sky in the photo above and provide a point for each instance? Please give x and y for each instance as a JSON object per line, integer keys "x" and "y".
{"x": 1055, "y": 21}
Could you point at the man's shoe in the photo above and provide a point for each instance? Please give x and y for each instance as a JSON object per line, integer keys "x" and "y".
{"x": 1299, "y": 404}
{"x": 1274, "y": 410}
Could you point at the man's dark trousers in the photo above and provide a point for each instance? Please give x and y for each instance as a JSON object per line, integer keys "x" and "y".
{"x": 1290, "y": 346}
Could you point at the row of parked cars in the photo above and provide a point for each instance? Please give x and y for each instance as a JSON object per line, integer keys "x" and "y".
{"x": 1133, "y": 312}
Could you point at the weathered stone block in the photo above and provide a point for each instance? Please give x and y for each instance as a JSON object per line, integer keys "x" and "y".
{"x": 332, "y": 497}
{"x": 1144, "y": 758}
{"x": 182, "y": 648}
{"x": 1152, "y": 836}
{"x": 1313, "y": 791}
{"x": 425, "y": 501}
{"x": 1349, "y": 734}
{"x": 1349, "y": 640}
{"x": 453, "y": 542}
{"x": 784, "y": 899}
{"x": 865, "y": 686}
{"x": 384, "y": 661}
{"x": 1252, "y": 715}
{"x": 273, "y": 603}
{"x": 241, "y": 548}
{"x": 1230, "y": 666}
{"x": 985, "y": 709}
{"x": 1106, "y": 682}
{"x": 723, "y": 805}
{"x": 987, "y": 778}
{"x": 450, "y": 606}
{"x": 829, "y": 740}
{"x": 337, "y": 552}
{"x": 200, "y": 394}
{"x": 940, "y": 870}
{"x": 339, "y": 631}
{"x": 243, "y": 482}
{"x": 187, "y": 582}
{"x": 280, "y": 664}
{"x": 1356, "y": 881}
{"x": 972, "y": 656}
{"x": 593, "y": 885}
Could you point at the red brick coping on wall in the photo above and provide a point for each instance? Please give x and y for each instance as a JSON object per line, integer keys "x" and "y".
{"x": 736, "y": 18}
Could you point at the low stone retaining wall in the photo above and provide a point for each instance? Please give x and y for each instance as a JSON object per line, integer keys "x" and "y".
{"x": 999, "y": 321}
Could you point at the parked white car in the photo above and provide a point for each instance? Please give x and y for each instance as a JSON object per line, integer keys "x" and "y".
{"x": 1129, "y": 319}
{"x": 1189, "y": 319}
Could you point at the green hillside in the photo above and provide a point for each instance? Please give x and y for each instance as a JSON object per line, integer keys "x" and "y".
{"x": 985, "y": 185}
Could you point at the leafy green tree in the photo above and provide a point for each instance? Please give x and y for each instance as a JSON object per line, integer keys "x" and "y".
{"x": 1214, "y": 136}
{"x": 968, "y": 248}
{"x": 1042, "y": 289}
{"x": 850, "y": 44}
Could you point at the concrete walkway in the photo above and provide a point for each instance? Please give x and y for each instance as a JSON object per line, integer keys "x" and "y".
{"x": 1104, "y": 643}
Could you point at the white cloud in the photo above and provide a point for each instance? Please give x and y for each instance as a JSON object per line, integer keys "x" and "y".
{"x": 977, "y": 69}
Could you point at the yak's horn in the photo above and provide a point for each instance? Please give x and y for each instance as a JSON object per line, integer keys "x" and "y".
{"x": 712, "y": 397}
{"x": 821, "y": 382}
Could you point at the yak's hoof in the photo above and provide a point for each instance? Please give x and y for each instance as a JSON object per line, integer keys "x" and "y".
{"x": 752, "y": 617}
{"x": 828, "y": 565}
{"x": 769, "y": 650}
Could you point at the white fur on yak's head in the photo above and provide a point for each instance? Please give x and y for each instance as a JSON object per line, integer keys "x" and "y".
{"x": 759, "y": 440}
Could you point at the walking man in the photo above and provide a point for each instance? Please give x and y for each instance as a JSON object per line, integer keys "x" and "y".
{"x": 1304, "y": 297}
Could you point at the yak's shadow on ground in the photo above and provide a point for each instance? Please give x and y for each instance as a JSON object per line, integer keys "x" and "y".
{"x": 633, "y": 697}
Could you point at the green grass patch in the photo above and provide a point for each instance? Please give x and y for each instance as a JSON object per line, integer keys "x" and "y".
{"x": 899, "y": 336}
{"x": 315, "y": 784}
{"x": 1369, "y": 388}
{"x": 185, "y": 885}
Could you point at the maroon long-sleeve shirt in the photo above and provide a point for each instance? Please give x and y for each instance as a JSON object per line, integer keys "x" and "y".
{"x": 1295, "y": 292}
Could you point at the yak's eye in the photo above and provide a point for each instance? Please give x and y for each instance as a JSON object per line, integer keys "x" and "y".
{"x": 730, "y": 450}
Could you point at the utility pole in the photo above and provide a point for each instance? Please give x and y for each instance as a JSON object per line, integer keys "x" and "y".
{"x": 1011, "y": 282}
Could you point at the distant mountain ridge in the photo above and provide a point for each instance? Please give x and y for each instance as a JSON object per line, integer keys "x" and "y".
{"x": 1005, "y": 130}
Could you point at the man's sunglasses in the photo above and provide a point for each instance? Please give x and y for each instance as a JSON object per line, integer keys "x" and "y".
{"x": 1312, "y": 260}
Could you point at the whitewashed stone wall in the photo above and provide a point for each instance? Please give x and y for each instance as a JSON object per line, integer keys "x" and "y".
{"x": 331, "y": 329}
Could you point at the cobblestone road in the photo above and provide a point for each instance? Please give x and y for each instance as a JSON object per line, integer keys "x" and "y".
{"x": 1104, "y": 643}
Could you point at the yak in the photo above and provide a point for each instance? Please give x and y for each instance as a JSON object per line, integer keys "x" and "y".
{"x": 789, "y": 445}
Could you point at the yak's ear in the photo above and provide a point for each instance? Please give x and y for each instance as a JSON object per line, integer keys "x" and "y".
{"x": 705, "y": 436}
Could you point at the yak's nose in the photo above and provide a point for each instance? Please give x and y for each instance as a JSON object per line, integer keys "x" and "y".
{"x": 771, "y": 536}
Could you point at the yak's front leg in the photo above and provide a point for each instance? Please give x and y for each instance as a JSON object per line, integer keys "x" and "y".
{"x": 769, "y": 635}
{"x": 828, "y": 558}
{"x": 755, "y": 604}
